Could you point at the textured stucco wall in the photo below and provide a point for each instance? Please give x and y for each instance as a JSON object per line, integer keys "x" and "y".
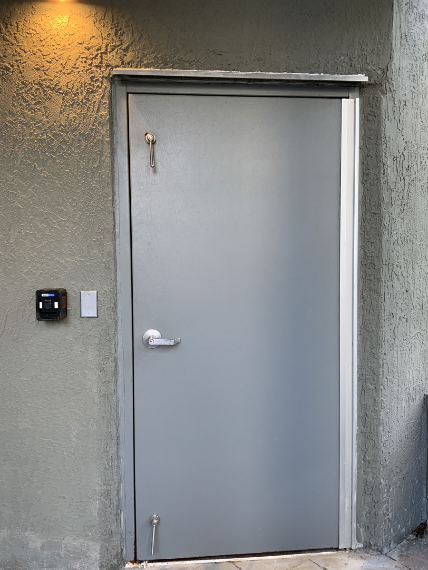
{"x": 393, "y": 293}
{"x": 59, "y": 467}
{"x": 403, "y": 331}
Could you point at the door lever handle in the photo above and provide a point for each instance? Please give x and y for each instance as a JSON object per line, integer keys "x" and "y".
{"x": 153, "y": 342}
{"x": 153, "y": 339}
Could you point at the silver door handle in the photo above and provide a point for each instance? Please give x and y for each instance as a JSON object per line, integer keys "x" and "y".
{"x": 154, "y": 521}
{"x": 164, "y": 341}
{"x": 150, "y": 140}
{"x": 153, "y": 339}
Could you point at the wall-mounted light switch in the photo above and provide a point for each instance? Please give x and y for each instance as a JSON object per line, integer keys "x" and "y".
{"x": 89, "y": 303}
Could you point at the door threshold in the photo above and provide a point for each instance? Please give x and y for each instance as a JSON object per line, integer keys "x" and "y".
{"x": 241, "y": 558}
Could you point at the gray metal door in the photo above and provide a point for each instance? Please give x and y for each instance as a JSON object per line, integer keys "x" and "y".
{"x": 235, "y": 249}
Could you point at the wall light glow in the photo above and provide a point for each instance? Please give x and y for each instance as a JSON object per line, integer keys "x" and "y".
{"x": 60, "y": 21}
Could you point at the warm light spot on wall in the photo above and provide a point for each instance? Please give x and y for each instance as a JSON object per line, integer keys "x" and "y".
{"x": 60, "y": 40}
{"x": 59, "y": 21}
{"x": 68, "y": 18}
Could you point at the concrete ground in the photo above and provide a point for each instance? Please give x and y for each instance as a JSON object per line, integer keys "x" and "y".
{"x": 412, "y": 554}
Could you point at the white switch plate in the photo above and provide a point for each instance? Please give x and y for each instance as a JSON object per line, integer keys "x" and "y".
{"x": 89, "y": 303}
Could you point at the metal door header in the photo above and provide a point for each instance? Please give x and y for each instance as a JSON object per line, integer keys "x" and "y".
{"x": 236, "y": 83}
{"x": 237, "y": 76}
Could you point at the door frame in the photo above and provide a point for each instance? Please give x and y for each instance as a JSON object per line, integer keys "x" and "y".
{"x": 345, "y": 87}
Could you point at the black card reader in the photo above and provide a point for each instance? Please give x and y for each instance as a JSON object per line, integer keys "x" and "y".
{"x": 51, "y": 304}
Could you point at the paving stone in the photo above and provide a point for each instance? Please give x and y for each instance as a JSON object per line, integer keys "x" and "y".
{"x": 283, "y": 563}
{"x": 306, "y": 565}
{"x": 412, "y": 553}
{"x": 356, "y": 560}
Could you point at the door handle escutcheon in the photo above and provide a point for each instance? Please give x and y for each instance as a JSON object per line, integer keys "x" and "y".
{"x": 153, "y": 339}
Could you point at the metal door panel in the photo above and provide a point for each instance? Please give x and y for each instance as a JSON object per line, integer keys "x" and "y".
{"x": 235, "y": 249}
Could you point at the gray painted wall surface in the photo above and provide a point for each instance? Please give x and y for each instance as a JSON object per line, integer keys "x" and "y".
{"x": 402, "y": 331}
{"x": 393, "y": 289}
{"x": 59, "y": 467}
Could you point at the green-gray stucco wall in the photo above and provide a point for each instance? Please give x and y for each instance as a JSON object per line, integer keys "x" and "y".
{"x": 60, "y": 495}
{"x": 394, "y": 290}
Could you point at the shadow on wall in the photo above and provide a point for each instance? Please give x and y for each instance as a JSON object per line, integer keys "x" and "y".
{"x": 425, "y": 441}
{"x": 369, "y": 516}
